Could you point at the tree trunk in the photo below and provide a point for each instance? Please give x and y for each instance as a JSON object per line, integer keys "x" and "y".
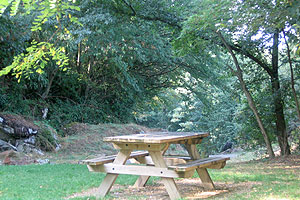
{"x": 292, "y": 77}
{"x": 87, "y": 89}
{"x": 257, "y": 116}
{"x": 51, "y": 78}
{"x": 250, "y": 100}
{"x": 282, "y": 135}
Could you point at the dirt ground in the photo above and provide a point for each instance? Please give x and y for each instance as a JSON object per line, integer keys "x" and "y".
{"x": 189, "y": 189}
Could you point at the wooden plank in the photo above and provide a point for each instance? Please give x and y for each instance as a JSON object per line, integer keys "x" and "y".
{"x": 168, "y": 182}
{"x": 136, "y": 170}
{"x": 189, "y": 141}
{"x": 217, "y": 166}
{"x": 140, "y": 146}
{"x": 174, "y": 161}
{"x": 193, "y": 151}
{"x": 170, "y": 161}
{"x": 202, "y": 172}
{"x": 110, "y": 179}
{"x": 141, "y": 181}
{"x": 145, "y": 160}
{"x": 188, "y": 165}
{"x": 109, "y": 159}
{"x": 205, "y": 179}
{"x": 157, "y": 137}
{"x": 202, "y": 163}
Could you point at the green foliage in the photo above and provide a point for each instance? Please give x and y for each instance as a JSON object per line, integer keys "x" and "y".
{"x": 37, "y": 58}
{"x": 200, "y": 104}
{"x": 46, "y": 138}
{"x": 158, "y": 63}
{"x": 49, "y": 9}
{"x": 11, "y": 42}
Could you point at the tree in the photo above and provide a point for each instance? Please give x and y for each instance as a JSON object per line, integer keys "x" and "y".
{"x": 241, "y": 22}
{"x": 292, "y": 75}
{"x": 117, "y": 59}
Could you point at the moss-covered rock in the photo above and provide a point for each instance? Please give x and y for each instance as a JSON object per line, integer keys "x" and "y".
{"x": 27, "y": 135}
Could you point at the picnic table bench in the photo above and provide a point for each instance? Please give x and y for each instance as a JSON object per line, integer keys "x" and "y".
{"x": 147, "y": 151}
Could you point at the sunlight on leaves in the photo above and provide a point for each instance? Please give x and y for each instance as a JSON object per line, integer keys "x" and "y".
{"x": 37, "y": 57}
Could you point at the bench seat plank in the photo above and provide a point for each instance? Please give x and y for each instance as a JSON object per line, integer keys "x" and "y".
{"x": 109, "y": 159}
{"x": 210, "y": 162}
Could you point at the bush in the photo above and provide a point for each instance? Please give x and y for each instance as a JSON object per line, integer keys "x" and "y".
{"x": 46, "y": 138}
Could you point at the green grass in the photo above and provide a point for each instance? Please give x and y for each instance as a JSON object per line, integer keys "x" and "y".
{"x": 271, "y": 181}
{"x": 267, "y": 181}
{"x": 49, "y": 181}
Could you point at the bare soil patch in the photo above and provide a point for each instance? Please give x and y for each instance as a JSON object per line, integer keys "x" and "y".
{"x": 189, "y": 189}
{"x": 291, "y": 160}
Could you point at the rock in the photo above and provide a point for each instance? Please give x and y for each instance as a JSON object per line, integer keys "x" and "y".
{"x": 17, "y": 126}
{"x": 10, "y": 153}
{"x": 4, "y": 136}
{"x": 6, "y": 157}
{"x": 7, "y": 161}
{"x": 4, "y": 146}
{"x": 43, "y": 161}
{"x": 26, "y": 136}
{"x": 15, "y": 158}
{"x": 27, "y": 148}
{"x": 8, "y": 130}
{"x": 30, "y": 140}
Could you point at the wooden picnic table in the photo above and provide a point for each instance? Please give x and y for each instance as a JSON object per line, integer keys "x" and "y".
{"x": 155, "y": 145}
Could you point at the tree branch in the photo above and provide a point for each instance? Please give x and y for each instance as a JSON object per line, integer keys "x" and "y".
{"x": 252, "y": 57}
{"x": 130, "y": 6}
{"x": 241, "y": 51}
{"x": 134, "y": 13}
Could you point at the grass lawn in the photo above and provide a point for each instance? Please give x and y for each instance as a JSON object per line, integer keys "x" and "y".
{"x": 260, "y": 180}
{"x": 48, "y": 181}
{"x": 270, "y": 180}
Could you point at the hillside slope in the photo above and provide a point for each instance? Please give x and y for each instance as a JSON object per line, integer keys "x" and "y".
{"x": 83, "y": 141}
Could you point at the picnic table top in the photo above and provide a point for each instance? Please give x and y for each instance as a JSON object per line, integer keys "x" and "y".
{"x": 156, "y": 137}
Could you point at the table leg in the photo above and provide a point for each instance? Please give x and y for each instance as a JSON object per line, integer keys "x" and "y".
{"x": 142, "y": 180}
{"x": 202, "y": 172}
{"x": 110, "y": 179}
{"x": 169, "y": 183}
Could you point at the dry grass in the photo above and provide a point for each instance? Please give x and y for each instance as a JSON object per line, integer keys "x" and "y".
{"x": 84, "y": 141}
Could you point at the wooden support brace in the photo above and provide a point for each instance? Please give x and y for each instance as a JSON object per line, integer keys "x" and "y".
{"x": 202, "y": 172}
{"x": 141, "y": 146}
{"x": 110, "y": 179}
{"x": 139, "y": 170}
{"x": 205, "y": 178}
{"x": 142, "y": 180}
{"x": 168, "y": 182}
